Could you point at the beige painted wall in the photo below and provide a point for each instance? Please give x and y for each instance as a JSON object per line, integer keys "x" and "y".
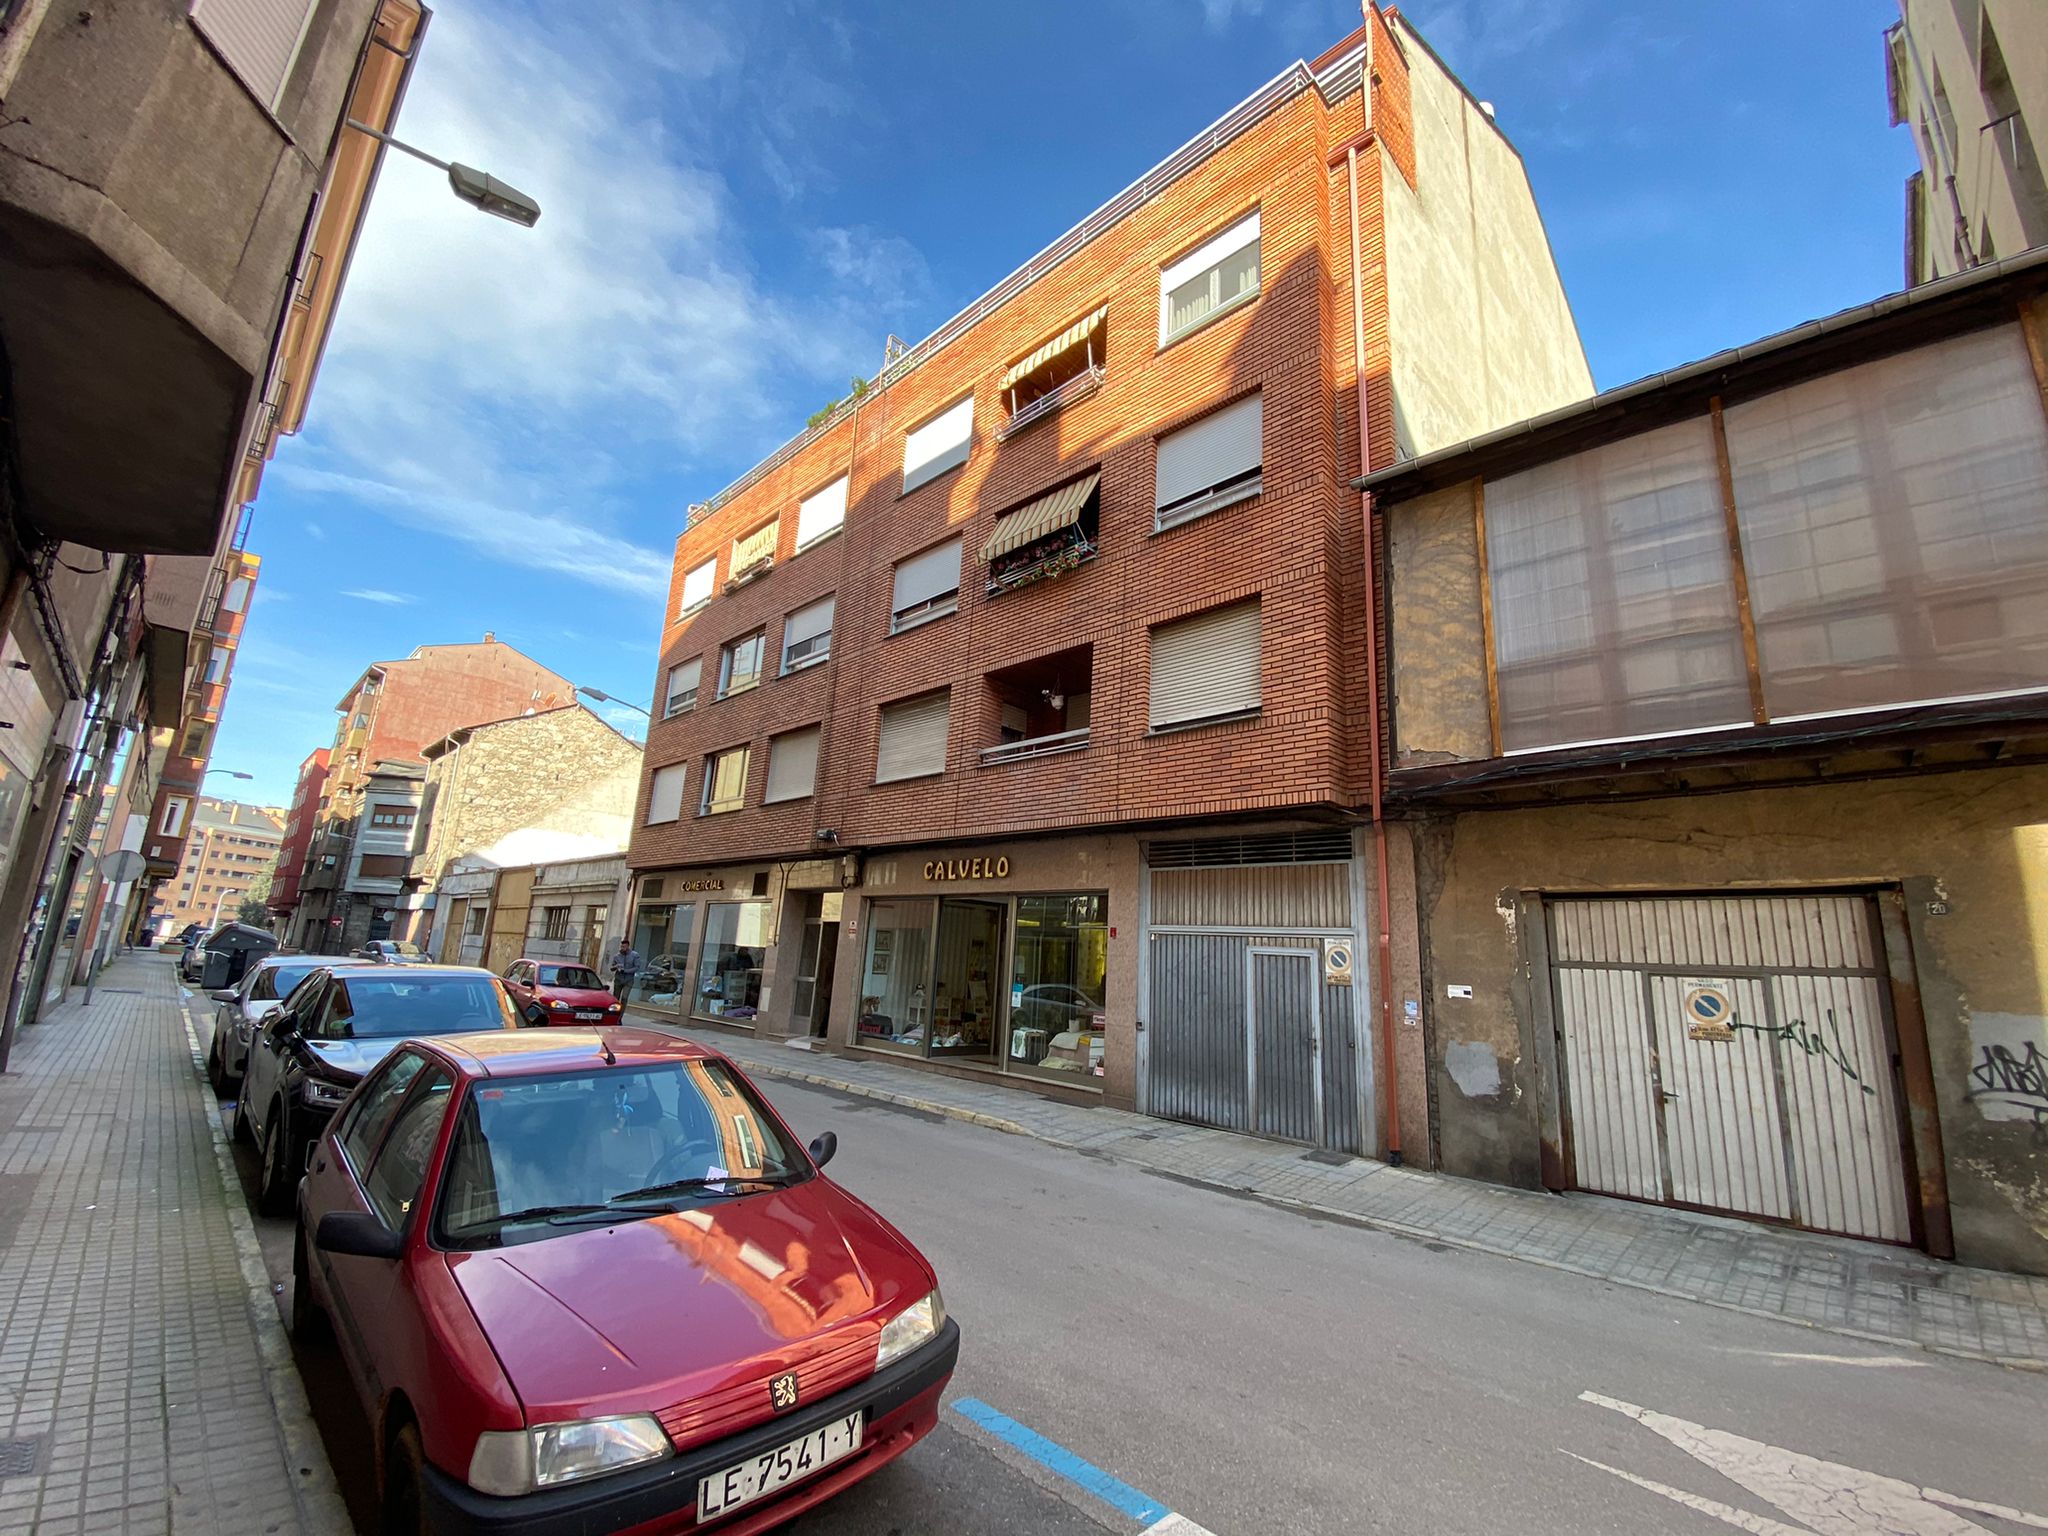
{"x": 1482, "y": 334}
{"x": 1973, "y": 843}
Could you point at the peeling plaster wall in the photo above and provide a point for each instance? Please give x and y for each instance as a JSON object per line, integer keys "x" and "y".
{"x": 1971, "y": 853}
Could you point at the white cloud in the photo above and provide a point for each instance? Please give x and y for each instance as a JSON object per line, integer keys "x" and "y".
{"x": 377, "y": 595}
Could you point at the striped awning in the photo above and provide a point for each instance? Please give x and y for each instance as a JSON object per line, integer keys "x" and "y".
{"x": 1072, "y": 336}
{"x": 1049, "y": 514}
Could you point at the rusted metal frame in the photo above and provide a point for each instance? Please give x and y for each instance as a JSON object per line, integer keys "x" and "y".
{"x": 1486, "y": 613}
{"x": 1738, "y": 566}
{"x": 1926, "y": 1162}
{"x": 1553, "y": 1091}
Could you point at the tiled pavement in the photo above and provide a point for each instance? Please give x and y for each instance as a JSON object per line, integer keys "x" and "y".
{"x": 1864, "y": 1289}
{"x": 143, "y": 1380}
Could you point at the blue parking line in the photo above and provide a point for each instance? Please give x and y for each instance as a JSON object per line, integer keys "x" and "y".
{"x": 1113, "y": 1491}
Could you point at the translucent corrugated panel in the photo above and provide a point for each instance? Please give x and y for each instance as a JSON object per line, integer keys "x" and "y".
{"x": 1613, "y": 597}
{"x": 1892, "y": 526}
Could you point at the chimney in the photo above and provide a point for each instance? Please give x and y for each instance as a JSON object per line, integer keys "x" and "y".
{"x": 490, "y": 637}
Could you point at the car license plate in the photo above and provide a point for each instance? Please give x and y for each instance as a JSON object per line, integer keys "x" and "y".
{"x": 758, "y": 1476}
{"x": 589, "y": 1013}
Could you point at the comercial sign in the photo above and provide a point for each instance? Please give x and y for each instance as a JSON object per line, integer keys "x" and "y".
{"x": 704, "y": 883}
{"x": 967, "y": 869}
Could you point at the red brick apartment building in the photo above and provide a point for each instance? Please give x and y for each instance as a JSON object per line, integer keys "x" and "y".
{"x": 1011, "y": 719}
{"x": 308, "y": 800}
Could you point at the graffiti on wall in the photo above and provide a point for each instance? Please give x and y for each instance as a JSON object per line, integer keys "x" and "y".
{"x": 2009, "y": 1075}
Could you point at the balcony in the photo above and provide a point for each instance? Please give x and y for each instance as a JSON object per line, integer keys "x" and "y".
{"x": 1034, "y": 746}
{"x": 1065, "y": 369}
{"x": 1039, "y": 708}
{"x": 1079, "y": 387}
{"x": 1044, "y": 538}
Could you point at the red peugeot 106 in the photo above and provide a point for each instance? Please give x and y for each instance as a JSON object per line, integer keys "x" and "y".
{"x": 588, "y": 1281}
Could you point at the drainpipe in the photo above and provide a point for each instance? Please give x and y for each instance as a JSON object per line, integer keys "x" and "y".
{"x": 1383, "y": 939}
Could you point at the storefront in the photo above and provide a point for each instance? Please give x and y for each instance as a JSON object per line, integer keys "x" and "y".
{"x": 702, "y": 937}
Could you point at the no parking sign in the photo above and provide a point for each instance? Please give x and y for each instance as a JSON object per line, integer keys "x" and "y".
{"x": 1709, "y": 1010}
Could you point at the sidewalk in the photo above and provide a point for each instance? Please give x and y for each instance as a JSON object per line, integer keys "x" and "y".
{"x": 1867, "y": 1290}
{"x": 145, "y": 1381}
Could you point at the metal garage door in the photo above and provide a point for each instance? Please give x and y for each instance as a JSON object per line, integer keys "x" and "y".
{"x": 1732, "y": 1054}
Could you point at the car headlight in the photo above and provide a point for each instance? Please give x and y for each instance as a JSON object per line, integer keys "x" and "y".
{"x": 515, "y": 1461}
{"x": 919, "y": 1324}
{"x": 316, "y": 1090}
{"x": 611, "y": 1007}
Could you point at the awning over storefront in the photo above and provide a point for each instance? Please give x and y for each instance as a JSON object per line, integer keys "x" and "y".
{"x": 1049, "y": 514}
{"x": 1072, "y": 336}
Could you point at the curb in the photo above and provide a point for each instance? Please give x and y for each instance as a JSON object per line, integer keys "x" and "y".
{"x": 317, "y": 1493}
{"x": 1385, "y": 1224}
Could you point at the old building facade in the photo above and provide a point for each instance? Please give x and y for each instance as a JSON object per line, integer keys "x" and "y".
{"x": 1011, "y": 720}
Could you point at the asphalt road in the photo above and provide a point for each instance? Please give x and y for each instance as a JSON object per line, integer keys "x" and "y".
{"x": 1258, "y": 1371}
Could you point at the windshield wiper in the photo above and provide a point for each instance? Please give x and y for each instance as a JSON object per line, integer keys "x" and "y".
{"x": 725, "y": 1185}
{"x": 556, "y": 1214}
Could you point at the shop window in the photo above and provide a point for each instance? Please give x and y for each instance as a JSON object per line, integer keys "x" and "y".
{"x": 1060, "y": 957}
{"x": 554, "y": 922}
{"x": 739, "y": 664}
{"x": 1039, "y": 707}
{"x": 725, "y": 782}
{"x": 1210, "y": 464}
{"x": 942, "y": 443}
{"x": 1206, "y": 668}
{"x": 1063, "y": 370}
{"x": 661, "y": 935}
{"x": 728, "y": 984}
{"x": 682, "y": 687}
{"x": 820, "y": 513}
{"x": 1046, "y": 537}
{"x": 894, "y": 1002}
{"x": 1218, "y": 275}
{"x": 807, "y": 636}
{"x": 926, "y": 587}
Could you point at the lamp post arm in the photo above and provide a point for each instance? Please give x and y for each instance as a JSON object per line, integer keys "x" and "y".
{"x": 399, "y": 144}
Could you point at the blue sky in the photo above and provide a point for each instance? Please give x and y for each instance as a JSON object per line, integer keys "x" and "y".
{"x": 742, "y": 199}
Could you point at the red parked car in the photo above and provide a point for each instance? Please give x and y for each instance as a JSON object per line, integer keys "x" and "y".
{"x": 589, "y": 1281}
{"x": 571, "y": 993}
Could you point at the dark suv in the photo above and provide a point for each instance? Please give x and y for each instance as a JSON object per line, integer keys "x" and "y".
{"x": 335, "y": 1026}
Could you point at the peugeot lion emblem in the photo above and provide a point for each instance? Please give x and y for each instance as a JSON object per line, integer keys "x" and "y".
{"x": 782, "y": 1391}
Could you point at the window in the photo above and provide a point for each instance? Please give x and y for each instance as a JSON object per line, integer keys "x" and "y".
{"x": 682, "y": 687}
{"x": 821, "y": 513}
{"x": 807, "y": 635}
{"x": 258, "y": 39}
{"x": 665, "y": 793}
{"x": 927, "y": 586}
{"x": 913, "y": 738}
{"x": 236, "y": 598}
{"x": 939, "y": 445}
{"x": 792, "y": 765}
{"x": 1217, "y": 275}
{"x": 216, "y": 666}
{"x": 1613, "y": 594}
{"x": 725, "y": 782}
{"x": 397, "y": 816}
{"x": 383, "y": 866}
{"x": 755, "y": 552}
{"x": 1058, "y": 970}
{"x": 1206, "y": 667}
{"x": 1046, "y": 537}
{"x": 401, "y": 1163}
{"x": 1063, "y": 370}
{"x": 554, "y": 922}
{"x": 728, "y": 984}
{"x": 739, "y": 664}
{"x": 698, "y": 587}
{"x": 1210, "y": 463}
{"x": 480, "y": 918}
{"x": 375, "y": 1107}
{"x": 198, "y": 741}
{"x": 173, "y": 823}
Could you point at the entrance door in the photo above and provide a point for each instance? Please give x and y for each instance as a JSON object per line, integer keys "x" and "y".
{"x": 1281, "y": 987}
{"x": 1732, "y": 1055}
{"x": 967, "y": 971}
{"x": 810, "y": 1001}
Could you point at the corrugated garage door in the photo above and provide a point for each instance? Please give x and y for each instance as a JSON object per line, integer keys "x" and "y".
{"x": 1732, "y": 1054}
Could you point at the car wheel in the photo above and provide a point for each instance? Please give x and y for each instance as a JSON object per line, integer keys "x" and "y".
{"x": 216, "y": 1072}
{"x": 307, "y": 1321}
{"x": 405, "y": 1478}
{"x": 280, "y": 1179}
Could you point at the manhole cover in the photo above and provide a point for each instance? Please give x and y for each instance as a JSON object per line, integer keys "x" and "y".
{"x": 18, "y": 1457}
{"x": 1334, "y": 1159}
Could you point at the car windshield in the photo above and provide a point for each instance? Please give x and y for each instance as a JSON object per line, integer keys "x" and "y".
{"x": 569, "y": 976}
{"x": 381, "y": 1007}
{"x": 535, "y": 1157}
{"x": 275, "y": 981}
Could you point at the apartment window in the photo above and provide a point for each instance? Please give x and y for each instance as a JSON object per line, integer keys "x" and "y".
{"x": 913, "y": 738}
{"x": 792, "y": 765}
{"x": 927, "y": 586}
{"x": 198, "y": 741}
{"x": 1219, "y": 274}
{"x": 236, "y": 598}
{"x": 665, "y": 794}
{"x": 383, "y": 866}
{"x": 216, "y": 666}
{"x": 739, "y": 664}
{"x": 683, "y": 678}
{"x": 1207, "y": 667}
{"x": 821, "y": 513}
{"x": 1046, "y": 537}
{"x": 1210, "y": 463}
{"x": 173, "y": 824}
{"x": 257, "y": 38}
{"x": 807, "y": 635}
{"x": 939, "y": 445}
{"x": 399, "y": 816}
{"x": 725, "y": 782}
{"x": 698, "y": 587}
{"x": 754, "y": 553}
{"x": 1063, "y": 370}
{"x": 554, "y": 922}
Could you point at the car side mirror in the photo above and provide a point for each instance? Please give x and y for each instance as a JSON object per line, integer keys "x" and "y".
{"x": 225, "y": 995}
{"x": 357, "y": 1233}
{"x": 535, "y": 1014}
{"x": 824, "y": 1146}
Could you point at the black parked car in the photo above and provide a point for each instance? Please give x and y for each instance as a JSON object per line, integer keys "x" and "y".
{"x": 336, "y": 1025}
{"x": 224, "y": 956}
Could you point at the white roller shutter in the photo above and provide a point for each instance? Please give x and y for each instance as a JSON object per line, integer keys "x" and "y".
{"x": 258, "y": 38}
{"x": 792, "y": 765}
{"x": 913, "y": 738}
{"x": 820, "y": 512}
{"x": 932, "y": 449}
{"x": 924, "y": 581}
{"x": 698, "y": 585}
{"x": 1206, "y": 666}
{"x": 683, "y": 679}
{"x": 807, "y": 634}
{"x": 665, "y": 795}
{"x": 1208, "y": 455}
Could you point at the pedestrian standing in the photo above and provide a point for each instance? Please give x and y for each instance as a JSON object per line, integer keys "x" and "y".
{"x": 625, "y": 966}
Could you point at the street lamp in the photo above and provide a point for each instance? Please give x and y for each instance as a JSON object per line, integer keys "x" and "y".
{"x": 473, "y": 186}
{"x": 605, "y": 698}
{"x": 233, "y": 773}
{"x": 223, "y": 896}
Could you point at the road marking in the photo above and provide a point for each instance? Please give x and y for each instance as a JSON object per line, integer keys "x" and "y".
{"x": 1900, "y": 1362}
{"x": 1828, "y": 1497}
{"x": 1153, "y": 1517}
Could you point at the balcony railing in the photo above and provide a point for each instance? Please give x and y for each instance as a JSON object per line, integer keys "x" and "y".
{"x": 1076, "y": 549}
{"x": 1036, "y": 746}
{"x": 1079, "y": 387}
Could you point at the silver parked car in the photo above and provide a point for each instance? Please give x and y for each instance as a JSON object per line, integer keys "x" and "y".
{"x": 242, "y": 1008}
